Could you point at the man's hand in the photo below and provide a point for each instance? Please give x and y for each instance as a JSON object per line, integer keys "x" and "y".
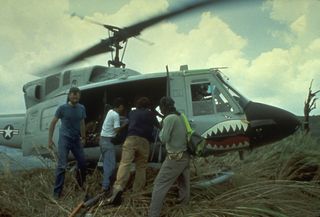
{"x": 51, "y": 131}
{"x": 83, "y": 142}
{"x": 51, "y": 144}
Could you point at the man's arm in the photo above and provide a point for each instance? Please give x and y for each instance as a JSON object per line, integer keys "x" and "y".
{"x": 165, "y": 133}
{"x": 156, "y": 122}
{"x": 116, "y": 124}
{"x": 119, "y": 129}
{"x": 51, "y": 131}
{"x": 123, "y": 126}
{"x": 155, "y": 113}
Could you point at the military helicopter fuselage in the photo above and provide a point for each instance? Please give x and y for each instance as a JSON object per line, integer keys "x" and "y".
{"x": 226, "y": 119}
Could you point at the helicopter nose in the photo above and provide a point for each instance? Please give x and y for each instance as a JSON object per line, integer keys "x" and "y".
{"x": 269, "y": 124}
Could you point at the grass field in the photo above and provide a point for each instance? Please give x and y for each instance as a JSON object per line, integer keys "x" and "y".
{"x": 281, "y": 179}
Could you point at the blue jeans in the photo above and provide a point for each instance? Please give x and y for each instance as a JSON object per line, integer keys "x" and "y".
{"x": 109, "y": 160}
{"x": 65, "y": 145}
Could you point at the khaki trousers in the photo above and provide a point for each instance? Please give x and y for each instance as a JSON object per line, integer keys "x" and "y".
{"x": 135, "y": 149}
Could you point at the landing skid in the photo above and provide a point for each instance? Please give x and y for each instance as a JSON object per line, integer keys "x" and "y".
{"x": 217, "y": 178}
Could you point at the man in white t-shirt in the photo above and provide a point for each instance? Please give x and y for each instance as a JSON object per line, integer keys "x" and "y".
{"x": 110, "y": 128}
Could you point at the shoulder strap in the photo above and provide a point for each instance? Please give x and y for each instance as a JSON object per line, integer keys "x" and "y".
{"x": 186, "y": 122}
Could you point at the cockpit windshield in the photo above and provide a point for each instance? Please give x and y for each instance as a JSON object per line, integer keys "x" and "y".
{"x": 241, "y": 100}
{"x": 211, "y": 95}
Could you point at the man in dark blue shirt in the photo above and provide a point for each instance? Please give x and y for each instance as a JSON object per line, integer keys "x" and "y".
{"x": 141, "y": 123}
{"x": 136, "y": 148}
{"x": 71, "y": 138}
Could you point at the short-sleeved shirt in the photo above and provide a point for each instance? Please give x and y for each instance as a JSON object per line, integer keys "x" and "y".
{"x": 111, "y": 122}
{"x": 71, "y": 117}
{"x": 142, "y": 123}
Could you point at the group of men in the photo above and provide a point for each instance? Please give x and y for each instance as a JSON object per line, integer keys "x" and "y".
{"x": 140, "y": 127}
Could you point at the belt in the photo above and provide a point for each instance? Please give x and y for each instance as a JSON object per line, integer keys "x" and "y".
{"x": 175, "y": 156}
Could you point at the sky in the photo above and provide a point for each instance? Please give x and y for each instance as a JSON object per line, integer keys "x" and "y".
{"x": 271, "y": 48}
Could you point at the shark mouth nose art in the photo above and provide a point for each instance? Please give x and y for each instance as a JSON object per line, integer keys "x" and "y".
{"x": 228, "y": 135}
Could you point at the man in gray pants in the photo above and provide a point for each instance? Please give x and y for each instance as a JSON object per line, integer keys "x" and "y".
{"x": 176, "y": 165}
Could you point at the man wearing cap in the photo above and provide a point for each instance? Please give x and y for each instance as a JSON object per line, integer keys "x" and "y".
{"x": 176, "y": 165}
{"x": 71, "y": 138}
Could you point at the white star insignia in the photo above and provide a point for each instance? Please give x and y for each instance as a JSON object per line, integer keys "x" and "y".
{"x": 8, "y": 132}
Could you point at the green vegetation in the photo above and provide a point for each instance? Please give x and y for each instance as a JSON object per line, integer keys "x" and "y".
{"x": 280, "y": 180}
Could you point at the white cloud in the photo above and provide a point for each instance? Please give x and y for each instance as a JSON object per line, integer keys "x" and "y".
{"x": 134, "y": 11}
{"x": 304, "y": 53}
{"x": 197, "y": 48}
{"x": 287, "y": 11}
{"x": 300, "y": 16}
{"x": 38, "y": 35}
{"x": 314, "y": 47}
{"x": 299, "y": 25}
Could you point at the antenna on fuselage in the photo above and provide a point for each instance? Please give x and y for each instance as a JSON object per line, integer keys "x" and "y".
{"x": 168, "y": 81}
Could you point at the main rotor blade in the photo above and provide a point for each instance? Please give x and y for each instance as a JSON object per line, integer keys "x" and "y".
{"x": 103, "y": 46}
{"x": 130, "y": 31}
{"x": 135, "y": 29}
{"x": 125, "y": 33}
{"x": 109, "y": 27}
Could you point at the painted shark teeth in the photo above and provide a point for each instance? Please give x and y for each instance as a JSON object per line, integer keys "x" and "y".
{"x": 225, "y": 127}
{"x": 244, "y": 144}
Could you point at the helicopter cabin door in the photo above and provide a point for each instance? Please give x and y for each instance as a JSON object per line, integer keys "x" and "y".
{"x": 208, "y": 101}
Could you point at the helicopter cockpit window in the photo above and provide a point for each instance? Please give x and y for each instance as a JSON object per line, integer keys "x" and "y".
{"x": 52, "y": 83}
{"x": 202, "y": 101}
{"x": 66, "y": 78}
{"x": 221, "y": 103}
{"x": 239, "y": 98}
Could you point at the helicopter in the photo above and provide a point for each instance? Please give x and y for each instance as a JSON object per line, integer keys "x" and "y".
{"x": 215, "y": 109}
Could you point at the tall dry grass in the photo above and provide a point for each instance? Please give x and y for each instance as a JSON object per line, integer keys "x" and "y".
{"x": 280, "y": 180}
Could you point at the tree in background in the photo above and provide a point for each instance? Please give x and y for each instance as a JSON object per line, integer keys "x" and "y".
{"x": 309, "y": 105}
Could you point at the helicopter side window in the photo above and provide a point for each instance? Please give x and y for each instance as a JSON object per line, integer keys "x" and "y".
{"x": 52, "y": 83}
{"x": 202, "y": 101}
{"x": 66, "y": 78}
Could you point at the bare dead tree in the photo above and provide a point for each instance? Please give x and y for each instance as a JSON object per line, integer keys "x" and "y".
{"x": 309, "y": 105}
